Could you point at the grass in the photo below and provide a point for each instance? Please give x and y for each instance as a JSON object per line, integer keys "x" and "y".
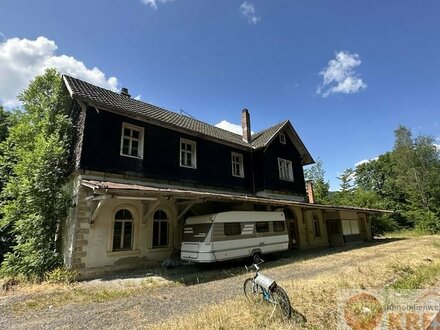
{"x": 418, "y": 277}
{"x": 406, "y": 233}
{"x": 59, "y": 295}
{"x": 315, "y": 297}
{"x": 313, "y": 286}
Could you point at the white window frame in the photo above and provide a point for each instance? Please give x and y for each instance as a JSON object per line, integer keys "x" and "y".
{"x": 238, "y": 163}
{"x": 140, "y": 140}
{"x": 192, "y": 153}
{"x": 123, "y": 223}
{"x": 285, "y": 170}
{"x": 282, "y": 138}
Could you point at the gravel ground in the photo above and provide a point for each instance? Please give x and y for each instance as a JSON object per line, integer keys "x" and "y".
{"x": 147, "y": 307}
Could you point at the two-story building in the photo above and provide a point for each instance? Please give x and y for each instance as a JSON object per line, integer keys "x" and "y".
{"x": 140, "y": 170}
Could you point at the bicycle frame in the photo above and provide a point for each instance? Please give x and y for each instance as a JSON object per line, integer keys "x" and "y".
{"x": 268, "y": 288}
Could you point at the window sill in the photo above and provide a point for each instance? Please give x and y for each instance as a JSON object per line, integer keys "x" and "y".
{"x": 160, "y": 248}
{"x": 135, "y": 157}
{"x": 123, "y": 253}
{"x": 193, "y": 167}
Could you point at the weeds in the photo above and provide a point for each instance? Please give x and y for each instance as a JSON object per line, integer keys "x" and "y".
{"x": 418, "y": 277}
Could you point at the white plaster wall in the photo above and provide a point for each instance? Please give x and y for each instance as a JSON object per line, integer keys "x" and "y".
{"x": 99, "y": 246}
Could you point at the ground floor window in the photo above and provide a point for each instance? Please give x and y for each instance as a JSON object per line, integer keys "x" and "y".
{"x": 316, "y": 227}
{"x": 123, "y": 230}
{"x": 160, "y": 229}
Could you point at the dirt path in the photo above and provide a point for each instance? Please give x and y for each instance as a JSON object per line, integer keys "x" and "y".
{"x": 147, "y": 307}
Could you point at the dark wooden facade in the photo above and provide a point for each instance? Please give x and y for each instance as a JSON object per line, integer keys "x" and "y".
{"x": 100, "y": 151}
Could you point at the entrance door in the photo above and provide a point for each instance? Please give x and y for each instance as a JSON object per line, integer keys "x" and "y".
{"x": 293, "y": 234}
{"x": 334, "y": 230}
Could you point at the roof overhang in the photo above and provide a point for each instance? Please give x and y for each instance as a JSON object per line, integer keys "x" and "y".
{"x": 111, "y": 189}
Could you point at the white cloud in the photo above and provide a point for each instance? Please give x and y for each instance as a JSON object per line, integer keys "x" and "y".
{"x": 248, "y": 11}
{"x": 340, "y": 77}
{"x": 234, "y": 128}
{"x": 229, "y": 127}
{"x": 138, "y": 97}
{"x": 2, "y": 36}
{"x": 153, "y": 3}
{"x": 365, "y": 161}
{"x": 22, "y": 59}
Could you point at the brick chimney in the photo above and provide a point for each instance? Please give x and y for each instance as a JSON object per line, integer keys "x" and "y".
{"x": 246, "y": 125}
{"x": 310, "y": 192}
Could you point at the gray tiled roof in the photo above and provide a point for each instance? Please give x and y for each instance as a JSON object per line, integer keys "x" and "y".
{"x": 260, "y": 139}
{"x": 98, "y": 96}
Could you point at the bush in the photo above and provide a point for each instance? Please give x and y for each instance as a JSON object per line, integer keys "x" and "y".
{"x": 61, "y": 275}
{"x": 382, "y": 224}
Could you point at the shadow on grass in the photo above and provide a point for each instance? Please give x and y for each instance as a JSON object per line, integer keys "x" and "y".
{"x": 194, "y": 273}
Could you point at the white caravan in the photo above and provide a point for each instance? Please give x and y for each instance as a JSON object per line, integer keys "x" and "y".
{"x": 234, "y": 234}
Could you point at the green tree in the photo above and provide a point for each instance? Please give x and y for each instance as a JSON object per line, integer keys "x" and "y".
{"x": 347, "y": 180}
{"x": 417, "y": 162}
{"x": 6, "y": 237}
{"x": 34, "y": 201}
{"x": 380, "y": 176}
{"x": 4, "y": 123}
{"x": 316, "y": 173}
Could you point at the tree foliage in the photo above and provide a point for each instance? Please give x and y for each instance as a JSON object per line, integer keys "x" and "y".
{"x": 33, "y": 199}
{"x": 405, "y": 180}
{"x": 315, "y": 173}
{"x": 6, "y": 237}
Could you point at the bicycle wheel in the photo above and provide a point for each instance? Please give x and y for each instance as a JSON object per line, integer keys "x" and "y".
{"x": 282, "y": 300}
{"x": 252, "y": 291}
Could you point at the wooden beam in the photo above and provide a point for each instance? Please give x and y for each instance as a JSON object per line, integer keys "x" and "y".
{"x": 149, "y": 211}
{"x": 96, "y": 211}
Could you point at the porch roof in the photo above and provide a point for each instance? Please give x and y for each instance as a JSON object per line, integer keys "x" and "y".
{"x": 149, "y": 192}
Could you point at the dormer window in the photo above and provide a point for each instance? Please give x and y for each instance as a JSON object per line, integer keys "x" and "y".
{"x": 282, "y": 138}
{"x": 188, "y": 156}
{"x": 132, "y": 141}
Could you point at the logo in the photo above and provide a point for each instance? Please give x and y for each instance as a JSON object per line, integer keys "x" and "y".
{"x": 389, "y": 309}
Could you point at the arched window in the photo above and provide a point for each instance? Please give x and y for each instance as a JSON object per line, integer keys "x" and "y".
{"x": 123, "y": 230}
{"x": 160, "y": 229}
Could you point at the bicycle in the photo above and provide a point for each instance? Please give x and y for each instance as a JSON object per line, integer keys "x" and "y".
{"x": 262, "y": 287}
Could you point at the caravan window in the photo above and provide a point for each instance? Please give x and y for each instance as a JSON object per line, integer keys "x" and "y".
{"x": 233, "y": 228}
{"x": 278, "y": 226}
{"x": 262, "y": 227}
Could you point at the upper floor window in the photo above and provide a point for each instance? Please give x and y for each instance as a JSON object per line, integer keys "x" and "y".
{"x": 282, "y": 138}
{"x": 188, "y": 156}
{"x": 132, "y": 141}
{"x": 237, "y": 165}
{"x": 123, "y": 230}
{"x": 285, "y": 169}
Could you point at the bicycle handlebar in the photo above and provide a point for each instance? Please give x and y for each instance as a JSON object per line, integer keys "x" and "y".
{"x": 254, "y": 265}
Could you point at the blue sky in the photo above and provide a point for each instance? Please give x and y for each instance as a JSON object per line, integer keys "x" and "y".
{"x": 345, "y": 73}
